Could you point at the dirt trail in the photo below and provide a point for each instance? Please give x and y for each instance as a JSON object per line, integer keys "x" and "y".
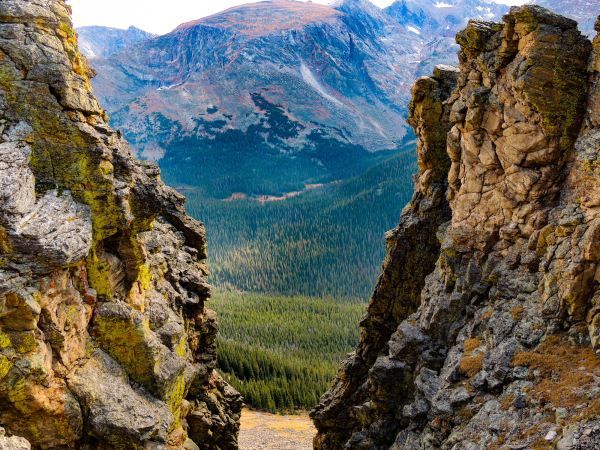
{"x": 262, "y": 431}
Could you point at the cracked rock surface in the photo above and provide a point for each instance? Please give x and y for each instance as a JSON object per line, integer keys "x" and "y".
{"x": 105, "y": 340}
{"x": 484, "y": 329}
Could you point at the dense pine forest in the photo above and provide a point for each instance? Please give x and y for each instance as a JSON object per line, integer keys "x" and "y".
{"x": 328, "y": 241}
{"x": 280, "y": 352}
{"x": 293, "y": 275}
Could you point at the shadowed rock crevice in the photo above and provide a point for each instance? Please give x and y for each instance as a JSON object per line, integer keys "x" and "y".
{"x": 485, "y": 336}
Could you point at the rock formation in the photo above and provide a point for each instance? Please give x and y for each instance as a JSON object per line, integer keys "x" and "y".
{"x": 13, "y": 442}
{"x": 105, "y": 341}
{"x": 484, "y": 328}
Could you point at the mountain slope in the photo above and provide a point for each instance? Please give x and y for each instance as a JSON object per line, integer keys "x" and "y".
{"x": 236, "y": 110}
{"x": 262, "y": 19}
{"x": 103, "y": 42}
{"x": 316, "y": 86}
{"x": 279, "y": 87}
{"x": 439, "y": 21}
{"x": 583, "y": 11}
{"x": 443, "y": 18}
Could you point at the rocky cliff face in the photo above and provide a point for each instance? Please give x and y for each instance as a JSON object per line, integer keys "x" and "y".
{"x": 105, "y": 341}
{"x": 484, "y": 326}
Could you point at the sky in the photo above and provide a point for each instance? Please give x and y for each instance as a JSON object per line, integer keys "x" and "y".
{"x": 160, "y": 16}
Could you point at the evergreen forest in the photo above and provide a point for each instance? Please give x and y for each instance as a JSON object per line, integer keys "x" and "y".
{"x": 282, "y": 353}
{"x": 292, "y": 274}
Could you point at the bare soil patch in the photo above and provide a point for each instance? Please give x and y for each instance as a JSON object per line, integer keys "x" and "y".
{"x": 261, "y": 431}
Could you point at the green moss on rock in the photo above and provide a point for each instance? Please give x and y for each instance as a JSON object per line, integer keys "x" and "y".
{"x": 98, "y": 271}
{"x": 125, "y": 334}
{"x": 23, "y": 342}
{"x": 5, "y": 366}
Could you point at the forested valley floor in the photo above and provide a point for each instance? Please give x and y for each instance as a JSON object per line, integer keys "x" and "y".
{"x": 292, "y": 277}
{"x": 281, "y": 352}
{"x": 328, "y": 241}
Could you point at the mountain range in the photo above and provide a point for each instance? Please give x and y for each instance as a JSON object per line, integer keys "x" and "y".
{"x": 482, "y": 332}
{"x": 306, "y": 90}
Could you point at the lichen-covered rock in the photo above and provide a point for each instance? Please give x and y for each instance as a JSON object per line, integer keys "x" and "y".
{"x": 105, "y": 341}
{"x": 491, "y": 341}
{"x": 13, "y": 442}
{"x": 116, "y": 413}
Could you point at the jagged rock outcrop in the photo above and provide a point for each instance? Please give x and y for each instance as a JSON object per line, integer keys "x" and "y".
{"x": 487, "y": 337}
{"x": 105, "y": 341}
{"x": 412, "y": 252}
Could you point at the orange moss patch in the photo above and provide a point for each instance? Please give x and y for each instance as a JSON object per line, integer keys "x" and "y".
{"x": 498, "y": 444}
{"x": 5, "y": 246}
{"x": 516, "y": 312}
{"x": 507, "y": 402}
{"x": 471, "y": 365}
{"x": 472, "y": 344}
{"x": 567, "y": 372}
{"x": 465, "y": 413}
{"x": 536, "y": 433}
{"x": 541, "y": 444}
{"x": 566, "y": 377}
{"x": 591, "y": 412}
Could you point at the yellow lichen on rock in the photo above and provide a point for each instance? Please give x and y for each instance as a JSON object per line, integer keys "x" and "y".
{"x": 91, "y": 258}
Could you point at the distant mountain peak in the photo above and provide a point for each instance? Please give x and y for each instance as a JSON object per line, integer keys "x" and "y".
{"x": 266, "y": 17}
{"x": 102, "y": 42}
{"x": 366, "y": 3}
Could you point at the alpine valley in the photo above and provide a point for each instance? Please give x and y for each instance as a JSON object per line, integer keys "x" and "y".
{"x": 300, "y": 133}
{"x": 284, "y": 123}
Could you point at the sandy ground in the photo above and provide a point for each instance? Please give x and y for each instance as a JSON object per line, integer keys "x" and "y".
{"x": 261, "y": 431}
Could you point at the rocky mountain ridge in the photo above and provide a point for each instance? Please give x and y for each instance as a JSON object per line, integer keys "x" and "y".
{"x": 105, "y": 340}
{"x": 483, "y": 331}
{"x": 315, "y": 89}
{"x": 103, "y": 42}
{"x": 263, "y": 18}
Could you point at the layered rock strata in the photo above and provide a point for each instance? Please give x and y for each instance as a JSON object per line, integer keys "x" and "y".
{"x": 484, "y": 326}
{"x": 105, "y": 341}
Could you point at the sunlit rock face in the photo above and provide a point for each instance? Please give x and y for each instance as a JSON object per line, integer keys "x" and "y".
{"x": 105, "y": 341}
{"x": 490, "y": 339}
